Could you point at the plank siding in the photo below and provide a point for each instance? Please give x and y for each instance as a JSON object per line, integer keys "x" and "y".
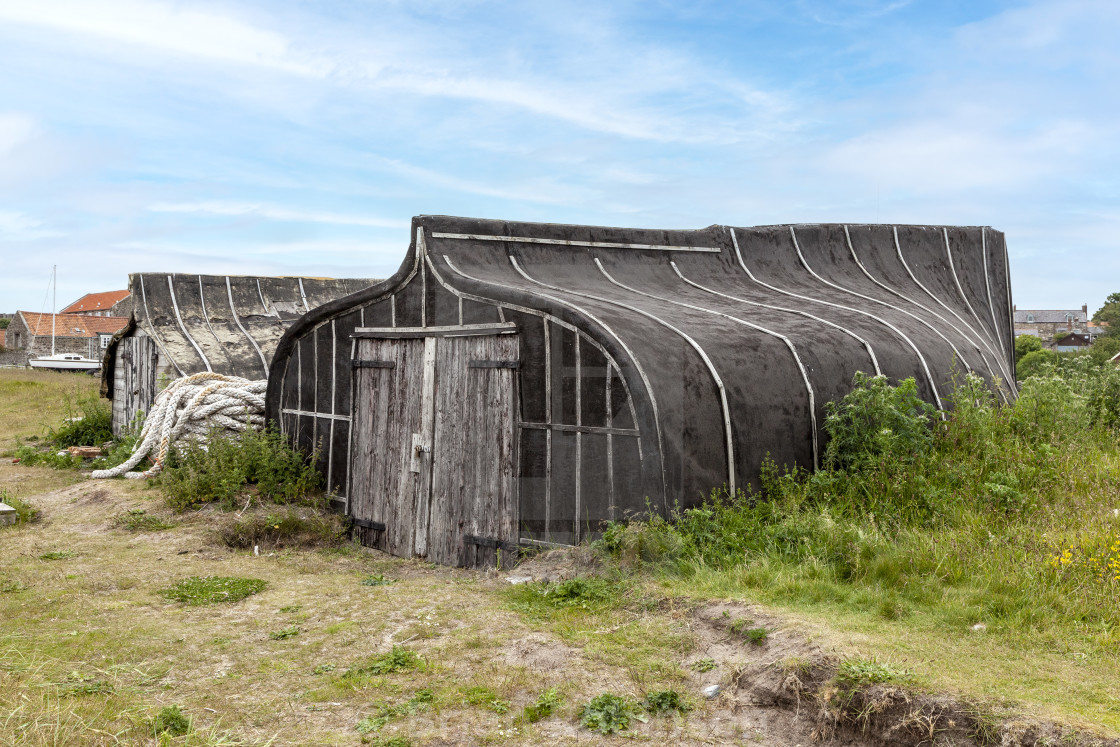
{"x": 134, "y": 380}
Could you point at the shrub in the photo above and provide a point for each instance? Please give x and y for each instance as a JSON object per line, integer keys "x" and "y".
{"x": 198, "y": 590}
{"x": 92, "y": 427}
{"x": 172, "y": 721}
{"x": 220, "y": 470}
{"x": 607, "y": 713}
{"x": 876, "y": 422}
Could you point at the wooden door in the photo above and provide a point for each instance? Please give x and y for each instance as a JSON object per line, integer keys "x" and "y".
{"x": 433, "y": 445}
{"x": 391, "y": 415}
{"x": 473, "y": 510}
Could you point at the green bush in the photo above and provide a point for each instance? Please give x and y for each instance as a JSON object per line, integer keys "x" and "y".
{"x": 89, "y": 423}
{"x": 223, "y": 468}
{"x": 547, "y": 704}
{"x": 877, "y": 422}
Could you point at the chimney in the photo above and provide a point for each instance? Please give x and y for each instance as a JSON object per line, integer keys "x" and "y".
{"x": 1085, "y": 310}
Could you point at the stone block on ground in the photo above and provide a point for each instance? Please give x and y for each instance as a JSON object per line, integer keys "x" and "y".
{"x": 8, "y": 514}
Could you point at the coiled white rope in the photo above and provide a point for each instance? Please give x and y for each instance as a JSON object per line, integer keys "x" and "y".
{"x": 193, "y": 406}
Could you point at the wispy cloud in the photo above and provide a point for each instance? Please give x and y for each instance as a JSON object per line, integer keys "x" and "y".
{"x": 15, "y": 130}
{"x": 16, "y": 226}
{"x": 272, "y": 212}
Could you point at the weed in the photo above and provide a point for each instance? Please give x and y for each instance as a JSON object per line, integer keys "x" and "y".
{"x": 664, "y": 702}
{"x": 171, "y": 721}
{"x": 25, "y": 512}
{"x": 57, "y": 555}
{"x": 291, "y": 608}
{"x": 139, "y": 520}
{"x": 704, "y": 665}
{"x": 607, "y": 713}
{"x": 285, "y": 633}
{"x": 10, "y": 587}
{"x": 92, "y": 427}
{"x": 547, "y": 704}
{"x": 198, "y": 590}
{"x": 485, "y": 697}
{"x": 755, "y": 636}
{"x": 87, "y": 687}
{"x": 292, "y": 527}
{"x": 583, "y": 593}
{"x": 223, "y": 467}
{"x": 322, "y": 669}
{"x": 857, "y": 673}
{"x": 398, "y": 659}
{"x": 376, "y": 580}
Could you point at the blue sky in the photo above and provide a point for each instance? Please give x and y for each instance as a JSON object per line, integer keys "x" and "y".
{"x": 300, "y": 137}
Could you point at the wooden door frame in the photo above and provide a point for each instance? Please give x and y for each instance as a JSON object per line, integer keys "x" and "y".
{"x": 428, "y": 418}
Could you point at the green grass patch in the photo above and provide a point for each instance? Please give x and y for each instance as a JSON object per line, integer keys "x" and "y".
{"x": 608, "y": 713}
{"x": 666, "y": 702}
{"x": 285, "y": 633}
{"x": 484, "y": 697}
{"x": 139, "y": 520}
{"x": 58, "y": 555}
{"x": 547, "y": 703}
{"x": 171, "y": 721}
{"x": 199, "y": 590}
{"x": 376, "y": 580}
{"x": 398, "y": 659}
{"x": 25, "y": 512}
{"x": 747, "y": 630}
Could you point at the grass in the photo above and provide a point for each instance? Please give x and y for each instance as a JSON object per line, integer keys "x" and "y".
{"x": 987, "y": 542}
{"x": 199, "y": 590}
{"x": 139, "y": 520}
{"x": 31, "y": 402}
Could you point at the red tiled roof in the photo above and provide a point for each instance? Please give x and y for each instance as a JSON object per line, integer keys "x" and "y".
{"x": 72, "y": 325}
{"x": 95, "y": 302}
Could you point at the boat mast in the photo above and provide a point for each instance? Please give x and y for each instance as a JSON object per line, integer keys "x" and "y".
{"x": 54, "y": 303}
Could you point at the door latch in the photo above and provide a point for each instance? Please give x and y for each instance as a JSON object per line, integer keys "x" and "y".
{"x": 420, "y": 447}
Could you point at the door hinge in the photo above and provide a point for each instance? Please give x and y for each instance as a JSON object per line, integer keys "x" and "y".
{"x": 376, "y": 526}
{"x": 373, "y": 364}
{"x": 471, "y": 539}
{"x": 494, "y": 364}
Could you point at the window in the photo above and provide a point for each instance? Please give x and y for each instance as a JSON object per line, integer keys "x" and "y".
{"x": 1030, "y": 318}
{"x": 105, "y": 341}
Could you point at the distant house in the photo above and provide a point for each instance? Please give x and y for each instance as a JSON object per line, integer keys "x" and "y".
{"x": 108, "y": 303}
{"x": 85, "y": 335}
{"x": 1045, "y": 323}
{"x": 1073, "y": 342}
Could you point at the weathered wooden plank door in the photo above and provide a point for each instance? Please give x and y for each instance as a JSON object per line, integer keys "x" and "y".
{"x": 473, "y": 506}
{"x": 433, "y": 445}
{"x": 392, "y": 405}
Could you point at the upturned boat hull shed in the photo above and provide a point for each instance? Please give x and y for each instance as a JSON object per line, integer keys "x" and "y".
{"x": 521, "y": 383}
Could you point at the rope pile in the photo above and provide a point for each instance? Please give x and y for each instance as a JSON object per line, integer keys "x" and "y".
{"x": 192, "y": 407}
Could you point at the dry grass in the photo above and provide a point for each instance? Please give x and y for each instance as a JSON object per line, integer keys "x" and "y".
{"x": 31, "y": 400}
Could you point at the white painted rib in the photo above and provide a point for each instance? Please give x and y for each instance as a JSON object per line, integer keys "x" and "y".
{"x": 183, "y": 327}
{"x": 861, "y": 312}
{"x": 533, "y": 312}
{"x": 303, "y": 296}
{"x": 988, "y": 288}
{"x": 237, "y": 319}
{"x": 922, "y": 358}
{"x": 921, "y": 306}
{"x": 728, "y": 435}
{"x": 978, "y": 336}
{"x": 567, "y": 242}
{"x": 711, "y": 366}
{"x": 827, "y": 323}
{"x": 960, "y": 288}
{"x": 152, "y": 328}
{"x": 625, "y": 347}
{"x": 264, "y": 304}
{"x": 206, "y": 316}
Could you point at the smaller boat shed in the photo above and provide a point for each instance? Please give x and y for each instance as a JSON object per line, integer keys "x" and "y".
{"x": 186, "y": 324}
{"x": 519, "y": 383}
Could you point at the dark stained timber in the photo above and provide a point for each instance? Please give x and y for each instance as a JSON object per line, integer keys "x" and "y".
{"x": 640, "y": 368}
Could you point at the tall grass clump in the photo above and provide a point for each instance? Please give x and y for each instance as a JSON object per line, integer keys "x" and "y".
{"x": 88, "y": 422}
{"x": 227, "y": 467}
{"x": 993, "y": 512}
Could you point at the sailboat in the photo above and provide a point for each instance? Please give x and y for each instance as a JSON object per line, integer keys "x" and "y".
{"x": 61, "y": 361}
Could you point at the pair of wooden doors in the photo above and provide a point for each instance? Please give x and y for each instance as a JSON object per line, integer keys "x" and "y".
{"x": 433, "y": 442}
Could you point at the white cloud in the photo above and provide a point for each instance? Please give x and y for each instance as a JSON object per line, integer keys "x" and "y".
{"x": 15, "y": 130}
{"x": 174, "y": 28}
{"x": 15, "y": 226}
{"x": 272, "y": 212}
